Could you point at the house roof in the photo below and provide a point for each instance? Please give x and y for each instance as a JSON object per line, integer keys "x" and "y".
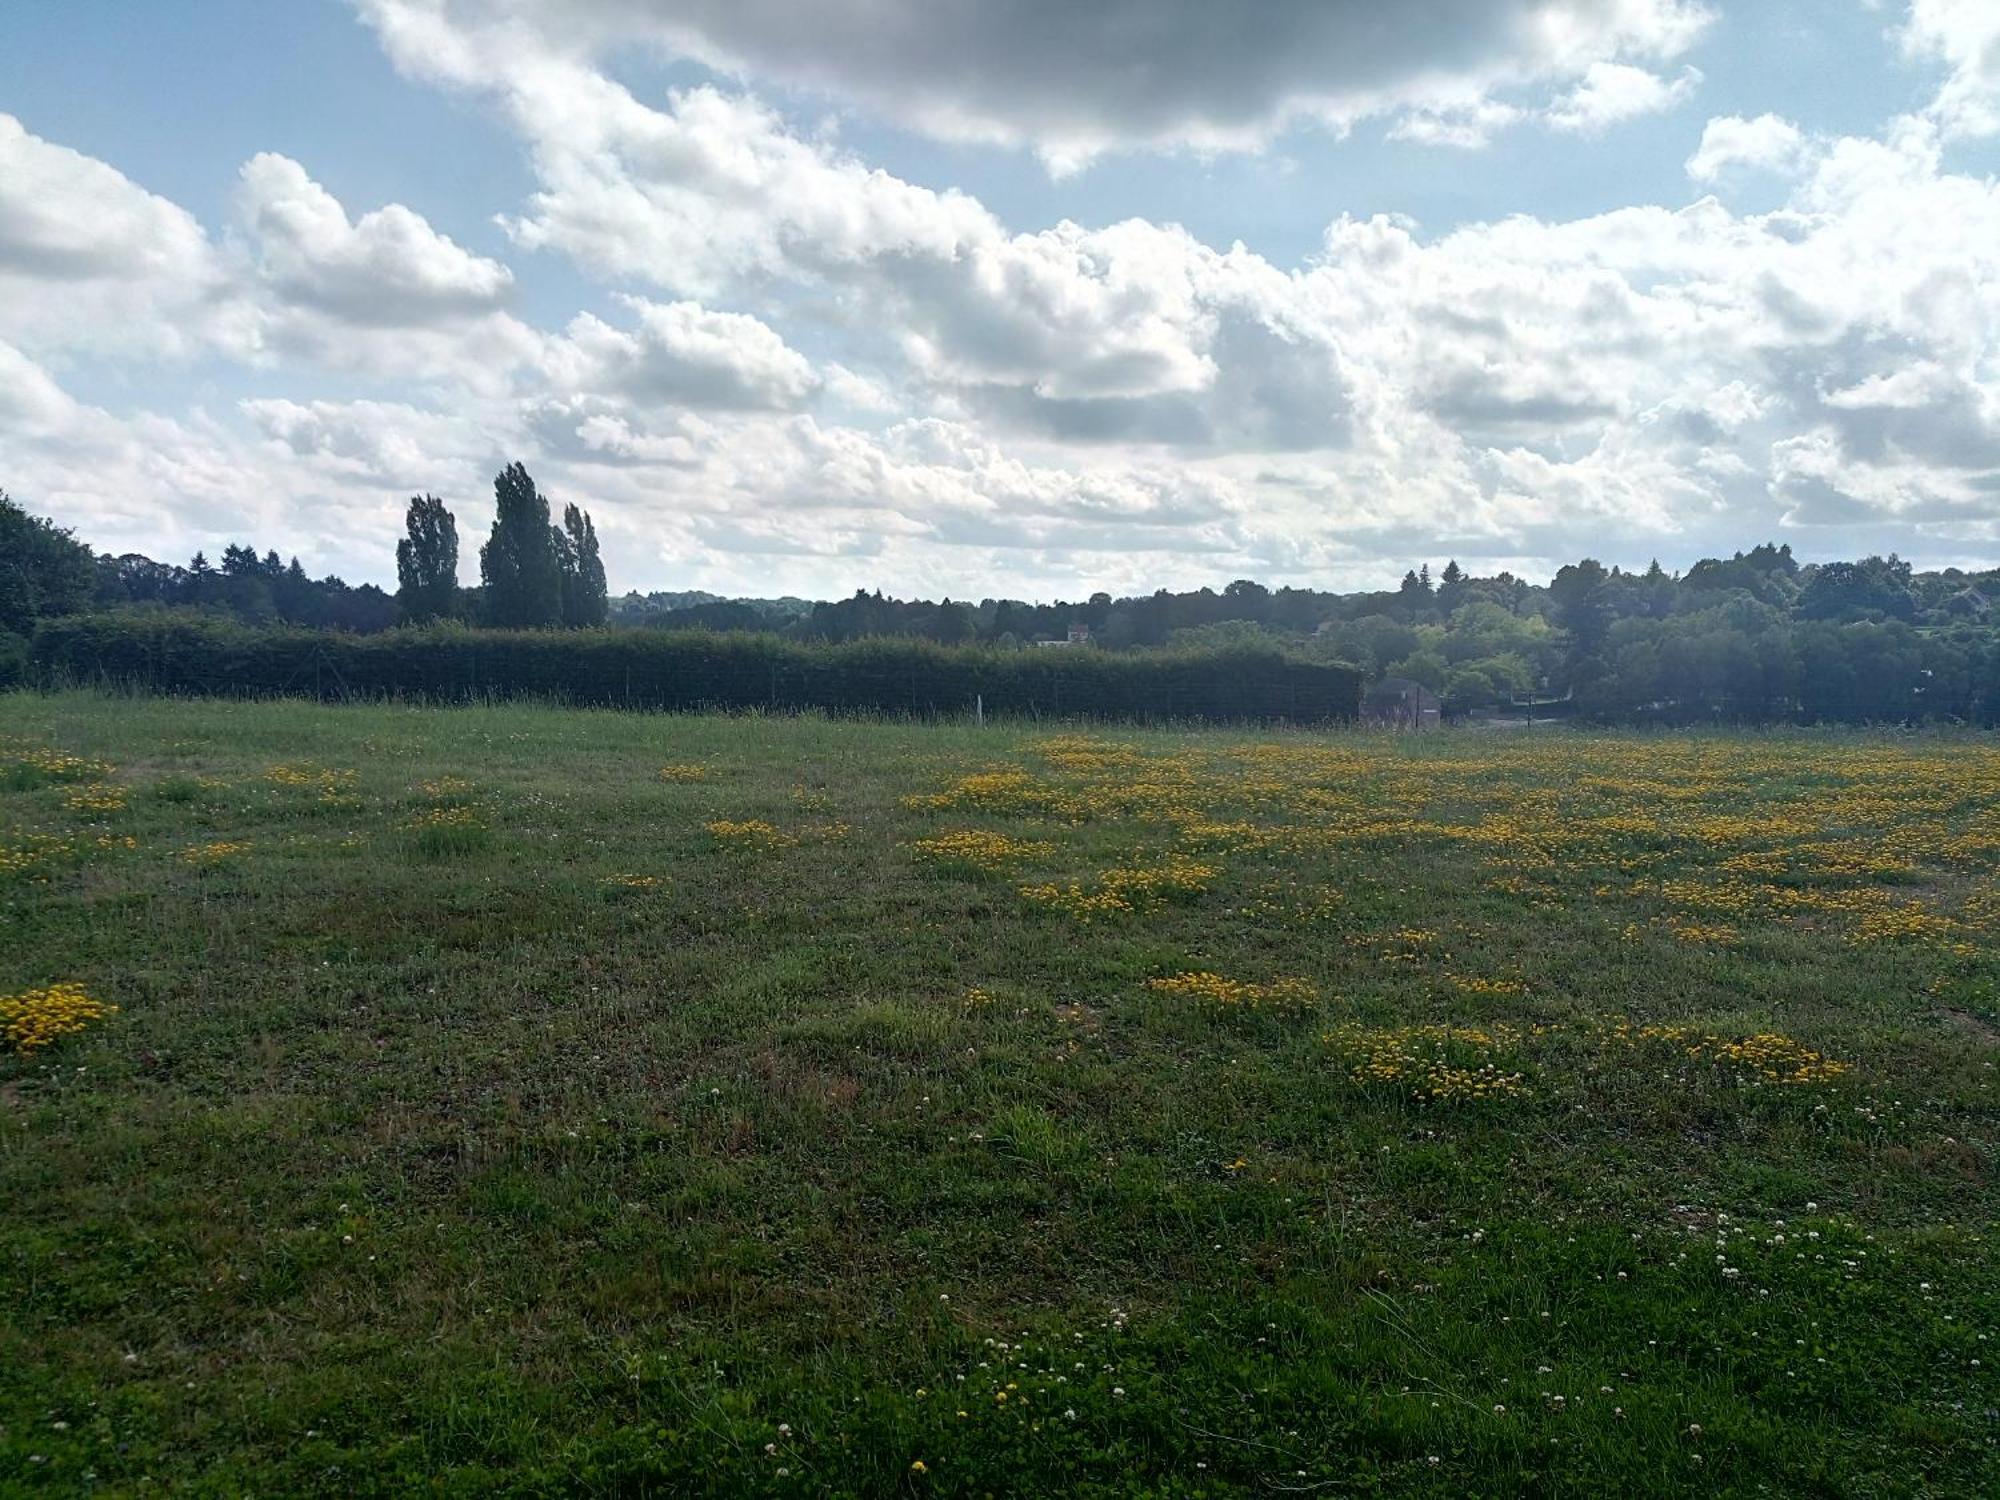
{"x": 1397, "y": 687}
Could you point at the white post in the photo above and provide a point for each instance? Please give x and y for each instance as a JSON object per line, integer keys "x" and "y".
{"x": 979, "y": 709}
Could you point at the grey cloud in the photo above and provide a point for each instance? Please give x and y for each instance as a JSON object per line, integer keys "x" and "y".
{"x": 1477, "y": 402}
{"x": 1071, "y": 78}
{"x": 1269, "y": 393}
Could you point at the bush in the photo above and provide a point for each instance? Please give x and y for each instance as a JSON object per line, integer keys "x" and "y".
{"x": 13, "y": 660}
{"x": 686, "y": 670}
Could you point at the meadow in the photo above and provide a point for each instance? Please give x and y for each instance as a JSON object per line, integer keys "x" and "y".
{"x": 521, "y": 1100}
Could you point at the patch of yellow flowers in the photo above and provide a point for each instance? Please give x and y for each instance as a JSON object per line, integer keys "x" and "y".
{"x": 332, "y": 785}
{"x": 1433, "y": 1063}
{"x": 1005, "y": 789}
{"x": 1709, "y": 934}
{"x": 1764, "y": 1057}
{"x": 27, "y": 765}
{"x": 1438, "y": 1062}
{"x": 39, "y": 849}
{"x": 1237, "y": 994}
{"x": 982, "y": 849}
{"x": 97, "y": 797}
{"x": 1478, "y": 984}
{"x": 215, "y": 853}
{"x": 1725, "y": 835}
{"x": 1126, "y": 888}
{"x": 684, "y": 772}
{"x": 1075, "y": 901}
{"x": 751, "y": 833}
{"x": 33, "y": 1019}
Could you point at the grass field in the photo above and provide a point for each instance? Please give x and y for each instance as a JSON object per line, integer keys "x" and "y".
{"x": 528, "y": 1101}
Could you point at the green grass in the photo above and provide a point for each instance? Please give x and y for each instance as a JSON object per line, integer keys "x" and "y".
{"x": 518, "y": 1134}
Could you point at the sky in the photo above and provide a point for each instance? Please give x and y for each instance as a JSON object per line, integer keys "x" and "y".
{"x": 1018, "y": 298}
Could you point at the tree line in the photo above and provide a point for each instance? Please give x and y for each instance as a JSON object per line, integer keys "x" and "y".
{"x": 1756, "y": 636}
{"x": 533, "y": 574}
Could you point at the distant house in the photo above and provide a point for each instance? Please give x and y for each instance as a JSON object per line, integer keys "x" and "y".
{"x": 1401, "y": 703}
{"x": 1967, "y": 604}
{"x": 1079, "y": 635}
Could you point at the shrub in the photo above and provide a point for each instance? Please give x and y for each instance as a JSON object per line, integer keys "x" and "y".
{"x": 685, "y": 670}
{"x": 13, "y": 660}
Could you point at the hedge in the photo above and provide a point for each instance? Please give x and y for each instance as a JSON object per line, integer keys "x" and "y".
{"x": 686, "y": 670}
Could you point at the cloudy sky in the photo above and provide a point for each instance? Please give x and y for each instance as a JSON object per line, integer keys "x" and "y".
{"x": 1009, "y": 296}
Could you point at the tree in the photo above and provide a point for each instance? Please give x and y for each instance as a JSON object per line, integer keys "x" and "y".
{"x": 43, "y": 569}
{"x": 517, "y": 566}
{"x": 243, "y": 589}
{"x": 364, "y": 610}
{"x": 1866, "y": 672}
{"x": 1248, "y": 600}
{"x": 299, "y": 600}
{"x": 200, "y": 585}
{"x": 1452, "y": 587}
{"x": 1373, "y": 641}
{"x": 585, "y": 598}
{"x": 1874, "y": 587}
{"x": 427, "y": 562}
{"x": 135, "y": 579}
{"x": 1766, "y": 558}
{"x": 1580, "y": 594}
{"x": 953, "y": 625}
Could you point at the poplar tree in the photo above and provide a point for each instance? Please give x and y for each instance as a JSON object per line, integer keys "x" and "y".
{"x": 518, "y": 567}
{"x": 427, "y": 562}
{"x": 586, "y": 600}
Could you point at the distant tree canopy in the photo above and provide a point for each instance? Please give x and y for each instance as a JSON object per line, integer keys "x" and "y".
{"x": 586, "y": 599}
{"x": 535, "y": 574}
{"x": 427, "y": 562}
{"x": 532, "y": 573}
{"x": 1755, "y": 636}
{"x": 45, "y": 572}
{"x": 519, "y": 567}
{"x": 1874, "y": 588}
{"x": 43, "y": 569}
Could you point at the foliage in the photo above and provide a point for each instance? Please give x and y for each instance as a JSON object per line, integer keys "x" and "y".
{"x": 687, "y": 670}
{"x": 248, "y": 588}
{"x": 427, "y": 562}
{"x": 519, "y": 568}
{"x": 1874, "y": 587}
{"x": 14, "y": 659}
{"x": 44, "y": 570}
{"x": 1755, "y": 637}
{"x": 585, "y": 598}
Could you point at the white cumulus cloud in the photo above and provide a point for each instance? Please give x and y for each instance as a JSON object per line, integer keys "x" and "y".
{"x": 1963, "y": 35}
{"x": 1769, "y": 143}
